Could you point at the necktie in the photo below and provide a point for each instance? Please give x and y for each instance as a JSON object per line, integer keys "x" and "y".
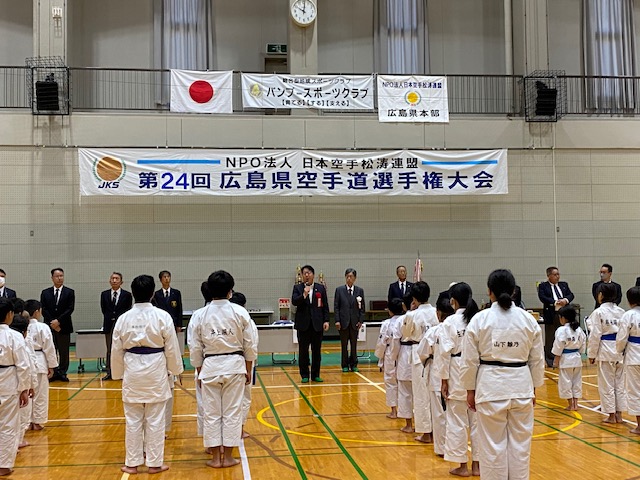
{"x": 557, "y": 290}
{"x": 402, "y": 288}
{"x": 166, "y": 294}
{"x": 115, "y": 297}
{"x": 57, "y": 295}
{"x": 350, "y": 291}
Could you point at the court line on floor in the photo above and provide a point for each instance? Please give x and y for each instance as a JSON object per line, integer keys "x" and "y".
{"x": 84, "y": 386}
{"x": 328, "y": 429}
{"x": 246, "y": 471}
{"x": 287, "y": 440}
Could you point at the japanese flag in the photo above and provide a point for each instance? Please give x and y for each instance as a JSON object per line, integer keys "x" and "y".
{"x": 202, "y": 92}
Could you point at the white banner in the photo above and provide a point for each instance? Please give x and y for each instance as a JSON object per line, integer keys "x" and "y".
{"x": 412, "y": 98}
{"x": 201, "y": 92}
{"x": 291, "y": 172}
{"x": 322, "y": 92}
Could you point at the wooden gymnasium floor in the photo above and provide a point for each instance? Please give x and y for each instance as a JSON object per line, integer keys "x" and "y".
{"x": 334, "y": 430}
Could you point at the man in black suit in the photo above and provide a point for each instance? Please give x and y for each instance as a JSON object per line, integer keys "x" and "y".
{"x": 348, "y": 309}
{"x": 312, "y": 319}
{"x": 58, "y": 303}
{"x": 113, "y": 303}
{"x": 400, "y": 287}
{"x": 554, "y": 295}
{"x": 606, "y": 271}
{"x": 4, "y": 291}
{"x": 169, "y": 299}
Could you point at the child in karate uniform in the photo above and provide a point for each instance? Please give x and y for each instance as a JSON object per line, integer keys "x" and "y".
{"x": 602, "y": 349}
{"x": 569, "y": 345}
{"x": 628, "y": 342}
{"x": 386, "y": 347}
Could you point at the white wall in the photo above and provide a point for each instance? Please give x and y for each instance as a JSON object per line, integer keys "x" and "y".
{"x": 16, "y": 31}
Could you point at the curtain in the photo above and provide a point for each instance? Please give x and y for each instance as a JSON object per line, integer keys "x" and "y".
{"x": 609, "y": 50}
{"x": 401, "y": 37}
{"x": 183, "y": 38}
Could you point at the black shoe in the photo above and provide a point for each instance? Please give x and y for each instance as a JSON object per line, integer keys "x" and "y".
{"x": 63, "y": 378}
{"x": 107, "y": 377}
{"x": 54, "y": 377}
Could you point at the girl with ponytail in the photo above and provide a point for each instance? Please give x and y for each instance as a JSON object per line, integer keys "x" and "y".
{"x": 569, "y": 345}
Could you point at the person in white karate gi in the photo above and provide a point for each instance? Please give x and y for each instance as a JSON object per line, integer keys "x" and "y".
{"x": 414, "y": 326}
{"x": 193, "y": 321}
{"x": 461, "y": 421}
{"x": 224, "y": 346}
{"x": 602, "y": 349}
{"x": 430, "y": 349}
{"x": 401, "y": 355}
{"x": 386, "y": 352}
{"x": 144, "y": 347}
{"x": 40, "y": 336}
{"x": 14, "y": 386}
{"x": 502, "y": 364}
{"x": 628, "y": 343}
{"x": 569, "y": 345}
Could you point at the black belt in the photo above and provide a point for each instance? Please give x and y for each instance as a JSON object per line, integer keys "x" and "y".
{"x": 409, "y": 342}
{"x": 38, "y": 350}
{"x": 6, "y": 366}
{"x": 459, "y": 354}
{"x": 496, "y": 363}
{"x": 145, "y": 350}
{"x": 237, "y": 352}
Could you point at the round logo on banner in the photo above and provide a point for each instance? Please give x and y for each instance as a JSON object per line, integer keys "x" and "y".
{"x": 109, "y": 169}
{"x": 255, "y": 90}
{"x": 412, "y": 98}
{"x": 201, "y": 91}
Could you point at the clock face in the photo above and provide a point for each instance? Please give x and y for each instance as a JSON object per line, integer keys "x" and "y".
{"x": 303, "y": 12}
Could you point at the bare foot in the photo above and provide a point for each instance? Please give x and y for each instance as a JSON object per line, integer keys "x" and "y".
{"x": 208, "y": 450}
{"x": 461, "y": 471}
{"x": 23, "y": 444}
{"x": 5, "y": 471}
{"x": 635, "y": 430}
{"x": 424, "y": 438}
{"x": 230, "y": 462}
{"x": 392, "y": 415}
{"x": 215, "y": 462}
{"x": 609, "y": 420}
{"x": 570, "y": 408}
{"x": 129, "y": 470}
{"x": 36, "y": 426}
{"x": 245, "y": 435}
{"x": 619, "y": 417}
{"x": 163, "y": 468}
{"x": 475, "y": 469}
{"x": 407, "y": 429}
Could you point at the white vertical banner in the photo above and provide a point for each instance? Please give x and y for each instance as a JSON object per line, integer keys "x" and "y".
{"x": 201, "y": 92}
{"x": 412, "y": 98}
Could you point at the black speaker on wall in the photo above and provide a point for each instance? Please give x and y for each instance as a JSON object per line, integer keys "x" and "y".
{"x": 47, "y": 96}
{"x": 546, "y": 100}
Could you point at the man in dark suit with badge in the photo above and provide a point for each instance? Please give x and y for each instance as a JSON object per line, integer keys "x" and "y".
{"x": 4, "y": 290}
{"x": 399, "y": 288}
{"x": 58, "y": 303}
{"x": 312, "y": 319}
{"x": 554, "y": 295}
{"x": 348, "y": 309}
{"x": 113, "y": 303}
{"x": 169, "y": 299}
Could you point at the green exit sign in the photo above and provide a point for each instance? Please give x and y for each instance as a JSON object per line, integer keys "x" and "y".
{"x": 277, "y": 48}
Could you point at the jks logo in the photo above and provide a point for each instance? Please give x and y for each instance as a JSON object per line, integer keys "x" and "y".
{"x": 109, "y": 171}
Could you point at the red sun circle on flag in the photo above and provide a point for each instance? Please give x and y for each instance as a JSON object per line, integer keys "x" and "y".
{"x": 201, "y": 91}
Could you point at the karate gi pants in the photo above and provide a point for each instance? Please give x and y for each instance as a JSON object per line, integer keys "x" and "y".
{"x": 438, "y": 422}
{"x": 570, "y": 382}
{"x": 611, "y": 387}
{"x": 632, "y": 383}
{"x": 391, "y": 386}
{"x": 504, "y": 432}
{"x": 25, "y": 421}
{"x": 39, "y": 404}
{"x": 199, "y": 409}
{"x": 246, "y": 396}
{"x": 405, "y": 399}
{"x": 222, "y": 403}
{"x": 9, "y": 431}
{"x": 460, "y": 423}
{"x": 144, "y": 433}
{"x": 168, "y": 412}
{"x": 421, "y": 398}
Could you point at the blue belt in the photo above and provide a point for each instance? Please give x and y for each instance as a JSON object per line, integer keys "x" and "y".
{"x": 634, "y": 339}
{"x": 570, "y": 350}
{"x": 608, "y": 336}
{"x": 145, "y": 350}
